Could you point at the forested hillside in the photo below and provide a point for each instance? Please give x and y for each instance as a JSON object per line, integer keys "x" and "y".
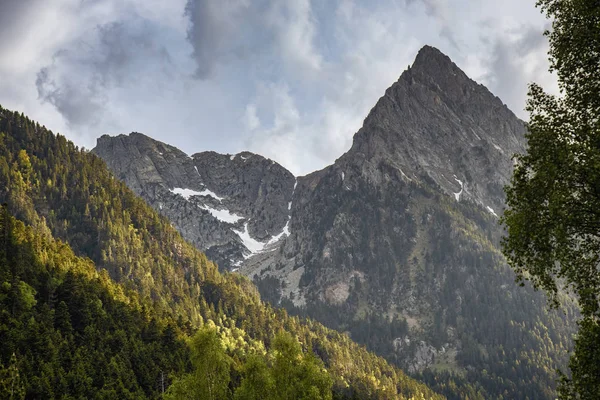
{"x": 111, "y": 317}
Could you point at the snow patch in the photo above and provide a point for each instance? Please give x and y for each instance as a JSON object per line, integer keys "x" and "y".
{"x": 404, "y": 175}
{"x": 293, "y": 191}
{"x": 490, "y": 209}
{"x": 210, "y": 193}
{"x": 457, "y": 195}
{"x": 223, "y": 215}
{"x": 343, "y": 176}
{"x": 196, "y": 168}
{"x": 244, "y": 158}
{"x": 253, "y": 245}
{"x": 187, "y": 193}
{"x": 497, "y": 147}
{"x": 232, "y": 157}
{"x": 286, "y": 228}
{"x": 284, "y": 232}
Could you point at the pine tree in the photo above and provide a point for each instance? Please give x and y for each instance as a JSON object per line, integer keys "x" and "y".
{"x": 11, "y": 386}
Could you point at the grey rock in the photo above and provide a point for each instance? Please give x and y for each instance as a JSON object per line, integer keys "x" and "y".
{"x": 246, "y": 185}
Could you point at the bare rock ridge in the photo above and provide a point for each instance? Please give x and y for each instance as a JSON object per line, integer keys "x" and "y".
{"x": 400, "y": 232}
{"x": 436, "y": 122}
{"x": 229, "y": 206}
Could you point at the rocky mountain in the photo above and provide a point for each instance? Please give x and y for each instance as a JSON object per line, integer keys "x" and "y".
{"x": 229, "y": 206}
{"x": 396, "y": 243}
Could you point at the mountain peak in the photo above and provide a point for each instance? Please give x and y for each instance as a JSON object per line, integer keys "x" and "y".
{"x": 436, "y": 122}
{"x": 432, "y": 61}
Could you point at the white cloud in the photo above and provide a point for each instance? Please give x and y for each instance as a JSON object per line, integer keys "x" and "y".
{"x": 291, "y": 80}
{"x": 295, "y": 33}
{"x": 251, "y": 120}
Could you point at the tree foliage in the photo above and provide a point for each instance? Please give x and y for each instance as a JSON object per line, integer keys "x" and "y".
{"x": 210, "y": 378}
{"x": 553, "y": 215}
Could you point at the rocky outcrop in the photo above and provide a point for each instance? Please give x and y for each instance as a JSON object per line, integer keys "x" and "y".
{"x": 229, "y": 206}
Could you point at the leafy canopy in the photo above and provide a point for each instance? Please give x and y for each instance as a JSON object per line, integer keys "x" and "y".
{"x": 553, "y": 215}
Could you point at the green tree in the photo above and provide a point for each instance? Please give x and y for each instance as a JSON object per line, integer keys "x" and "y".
{"x": 257, "y": 381}
{"x": 210, "y": 378}
{"x": 298, "y": 376}
{"x": 553, "y": 215}
{"x": 11, "y": 386}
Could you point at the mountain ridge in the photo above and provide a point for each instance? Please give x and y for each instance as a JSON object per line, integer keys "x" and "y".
{"x": 401, "y": 233}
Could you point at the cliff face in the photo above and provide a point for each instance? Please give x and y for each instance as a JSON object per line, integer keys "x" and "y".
{"x": 396, "y": 243}
{"x": 223, "y": 204}
{"x": 437, "y": 123}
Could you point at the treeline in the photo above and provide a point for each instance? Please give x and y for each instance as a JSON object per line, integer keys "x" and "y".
{"x": 113, "y": 316}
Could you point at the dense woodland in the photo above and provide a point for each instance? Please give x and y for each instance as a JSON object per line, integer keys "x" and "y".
{"x": 101, "y": 298}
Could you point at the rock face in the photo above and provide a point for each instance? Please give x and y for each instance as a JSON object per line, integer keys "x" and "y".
{"x": 218, "y": 202}
{"x": 396, "y": 243}
{"x": 436, "y": 123}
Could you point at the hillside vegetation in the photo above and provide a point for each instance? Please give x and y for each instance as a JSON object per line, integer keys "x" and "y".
{"x": 100, "y": 297}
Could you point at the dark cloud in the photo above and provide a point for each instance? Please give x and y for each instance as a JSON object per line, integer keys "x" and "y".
{"x": 79, "y": 104}
{"x": 508, "y": 71}
{"x": 220, "y": 31}
{"x": 82, "y": 74}
{"x": 205, "y": 34}
{"x": 13, "y": 14}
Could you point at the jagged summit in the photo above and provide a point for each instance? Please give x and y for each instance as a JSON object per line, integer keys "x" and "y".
{"x": 430, "y": 57}
{"x": 434, "y": 68}
{"x": 436, "y": 123}
{"x": 227, "y": 205}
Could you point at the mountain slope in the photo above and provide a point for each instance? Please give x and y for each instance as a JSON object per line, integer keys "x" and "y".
{"x": 396, "y": 243}
{"x": 74, "y": 332}
{"x": 67, "y": 193}
{"x": 212, "y": 199}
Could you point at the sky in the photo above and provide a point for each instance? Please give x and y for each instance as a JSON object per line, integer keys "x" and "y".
{"x": 292, "y": 80}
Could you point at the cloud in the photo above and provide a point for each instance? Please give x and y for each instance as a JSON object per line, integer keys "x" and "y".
{"x": 251, "y": 120}
{"x": 82, "y": 74}
{"x": 295, "y": 33}
{"x": 279, "y": 139}
{"x": 518, "y": 57}
{"x": 255, "y": 32}
{"x": 12, "y": 12}
{"x": 79, "y": 103}
{"x": 215, "y": 32}
{"x": 318, "y": 121}
{"x": 292, "y": 80}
